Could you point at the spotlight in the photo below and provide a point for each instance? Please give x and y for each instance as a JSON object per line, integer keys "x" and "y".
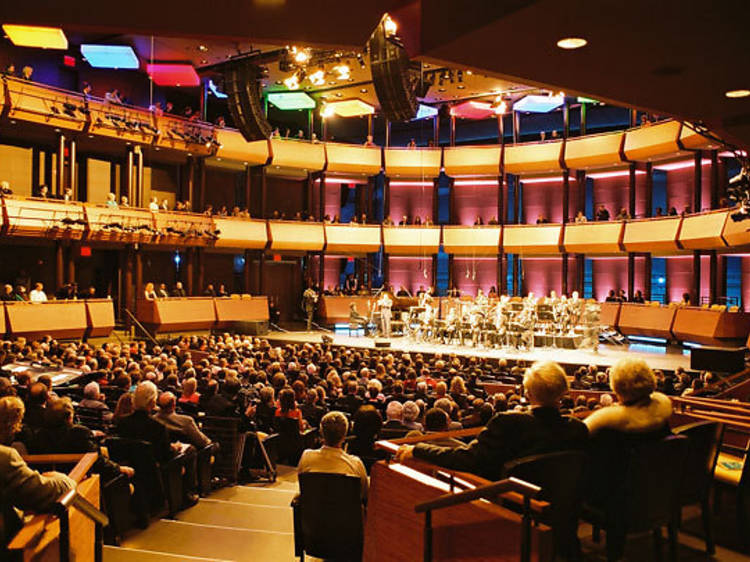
{"x": 389, "y": 25}
{"x": 737, "y": 93}
{"x": 318, "y": 78}
{"x": 343, "y": 71}
{"x": 300, "y": 56}
{"x": 292, "y": 83}
{"x": 570, "y": 43}
{"x": 327, "y": 111}
{"x": 361, "y": 60}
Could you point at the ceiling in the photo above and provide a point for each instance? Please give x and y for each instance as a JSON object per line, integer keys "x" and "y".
{"x": 669, "y": 57}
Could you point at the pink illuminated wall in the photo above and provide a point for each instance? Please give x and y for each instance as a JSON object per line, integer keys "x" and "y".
{"x": 681, "y": 185}
{"x": 542, "y": 275}
{"x": 607, "y": 274}
{"x": 333, "y": 266}
{"x": 410, "y": 200}
{"x": 745, "y": 284}
{"x": 545, "y": 197}
{"x": 409, "y": 272}
{"x": 679, "y": 276}
{"x": 473, "y": 200}
{"x": 469, "y": 274}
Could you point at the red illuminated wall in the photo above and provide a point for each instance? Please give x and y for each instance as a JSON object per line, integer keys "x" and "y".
{"x": 473, "y": 200}
{"x": 410, "y": 200}
{"x": 681, "y": 185}
{"x": 608, "y": 274}
{"x": 285, "y": 195}
{"x": 613, "y": 192}
{"x": 409, "y": 272}
{"x": 542, "y": 275}
{"x": 470, "y": 274}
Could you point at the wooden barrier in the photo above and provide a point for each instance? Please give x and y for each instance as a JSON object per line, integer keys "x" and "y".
{"x": 357, "y": 239}
{"x": 652, "y": 235}
{"x": 593, "y": 237}
{"x": 59, "y": 319}
{"x": 532, "y": 239}
{"x": 702, "y": 231}
{"x": 43, "y": 218}
{"x": 646, "y": 320}
{"x": 296, "y": 237}
{"x": 411, "y": 240}
{"x": 100, "y": 318}
{"x": 353, "y": 159}
{"x": 610, "y": 314}
{"x": 119, "y": 224}
{"x": 478, "y": 530}
{"x": 711, "y": 326}
{"x": 241, "y": 233}
{"x": 471, "y": 240}
{"x": 177, "y": 314}
{"x": 333, "y": 310}
{"x": 231, "y": 312}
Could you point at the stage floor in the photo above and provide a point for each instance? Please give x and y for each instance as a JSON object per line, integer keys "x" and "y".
{"x": 658, "y": 357}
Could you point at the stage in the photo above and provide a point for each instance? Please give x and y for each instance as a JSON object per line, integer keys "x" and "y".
{"x": 658, "y": 357}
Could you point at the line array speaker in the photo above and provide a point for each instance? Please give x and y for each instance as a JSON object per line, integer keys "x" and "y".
{"x": 242, "y": 83}
{"x": 395, "y": 79}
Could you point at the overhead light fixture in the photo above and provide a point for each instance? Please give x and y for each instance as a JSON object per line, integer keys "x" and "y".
{"x": 173, "y": 74}
{"x": 426, "y": 111}
{"x": 500, "y": 106}
{"x": 538, "y": 104}
{"x": 737, "y": 93}
{"x": 343, "y": 71}
{"x": 327, "y": 111}
{"x": 318, "y": 78}
{"x": 583, "y": 99}
{"x": 35, "y": 36}
{"x": 300, "y": 56}
{"x": 389, "y": 26}
{"x": 202, "y": 48}
{"x": 351, "y": 108}
{"x": 292, "y": 82}
{"x": 570, "y": 43}
{"x": 291, "y": 100}
{"x": 363, "y": 90}
{"x": 110, "y": 56}
{"x": 215, "y": 91}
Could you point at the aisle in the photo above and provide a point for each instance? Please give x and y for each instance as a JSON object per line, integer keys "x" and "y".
{"x": 241, "y": 523}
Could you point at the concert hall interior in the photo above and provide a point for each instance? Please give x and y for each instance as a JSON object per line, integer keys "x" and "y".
{"x": 400, "y": 280}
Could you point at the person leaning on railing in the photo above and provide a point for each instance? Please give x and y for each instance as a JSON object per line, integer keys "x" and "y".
{"x": 20, "y": 486}
{"x": 514, "y": 435}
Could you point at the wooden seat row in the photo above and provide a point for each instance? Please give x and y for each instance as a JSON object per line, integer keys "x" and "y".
{"x": 59, "y": 319}
{"x": 55, "y": 219}
{"x": 190, "y": 314}
{"x": 73, "y": 112}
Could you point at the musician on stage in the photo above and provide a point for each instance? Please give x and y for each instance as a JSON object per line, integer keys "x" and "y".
{"x": 385, "y": 304}
{"x": 356, "y": 319}
{"x": 309, "y": 299}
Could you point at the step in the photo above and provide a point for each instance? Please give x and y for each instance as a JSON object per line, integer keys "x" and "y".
{"x": 256, "y": 496}
{"x": 242, "y": 515}
{"x": 122, "y": 554}
{"x": 184, "y": 539}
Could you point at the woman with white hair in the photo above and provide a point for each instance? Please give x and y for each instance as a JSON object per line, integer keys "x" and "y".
{"x": 514, "y": 435}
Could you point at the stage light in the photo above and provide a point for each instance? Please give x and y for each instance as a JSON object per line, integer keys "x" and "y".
{"x": 291, "y": 100}
{"x": 570, "y": 43}
{"x": 343, "y": 71}
{"x": 35, "y": 36}
{"x": 292, "y": 83}
{"x": 389, "y": 25}
{"x": 110, "y": 56}
{"x": 737, "y": 93}
{"x": 317, "y": 78}
{"x": 173, "y": 74}
{"x": 350, "y": 108}
{"x": 215, "y": 91}
{"x": 582, "y": 99}
{"x": 501, "y": 108}
{"x": 538, "y": 104}
{"x": 300, "y": 56}
{"x": 327, "y": 111}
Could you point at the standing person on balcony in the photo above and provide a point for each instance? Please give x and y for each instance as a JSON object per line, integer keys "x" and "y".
{"x": 154, "y": 205}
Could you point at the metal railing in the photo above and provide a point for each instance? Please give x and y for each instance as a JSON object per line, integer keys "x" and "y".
{"x": 141, "y": 326}
{"x": 490, "y": 491}
{"x": 62, "y": 507}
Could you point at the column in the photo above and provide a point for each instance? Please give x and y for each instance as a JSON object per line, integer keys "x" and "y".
{"x": 698, "y": 182}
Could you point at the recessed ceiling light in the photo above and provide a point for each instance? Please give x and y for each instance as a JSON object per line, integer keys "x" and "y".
{"x": 461, "y": 86}
{"x": 204, "y": 61}
{"x": 441, "y": 89}
{"x": 278, "y": 82}
{"x": 338, "y": 94}
{"x": 572, "y": 43}
{"x": 351, "y": 79}
{"x": 737, "y": 93}
{"x": 363, "y": 90}
{"x": 202, "y": 48}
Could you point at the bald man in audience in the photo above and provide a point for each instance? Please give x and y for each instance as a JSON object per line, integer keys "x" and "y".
{"x": 178, "y": 423}
{"x": 514, "y": 435}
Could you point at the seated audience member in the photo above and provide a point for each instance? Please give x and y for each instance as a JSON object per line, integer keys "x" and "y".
{"x": 602, "y": 214}
{"x": 162, "y": 292}
{"x": 124, "y": 407}
{"x": 311, "y": 409}
{"x": 514, "y": 435}
{"x": 638, "y": 297}
{"x": 183, "y": 425}
{"x": 437, "y": 420}
{"x": 20, "y": 294}
{"x": 149, "y": 293}
{"x": 189, "y": 394}
{"x": 36, "y": 402}
{"x": 113, "y": 97}
{"x": 22, "y": 488}
{"x": 288, "y": 408}
{"x": 640, "y": 409}
{"x": 581, "y": 217}
{"x": 209, "y": 292}
{"x": 366, "y": 424}
{"x": 139, "y": 425}
{"x": 411, "y": 414}
{"x": 394, "y": 414}
{"x": 222, "y": 292}
{"x": 178, "y": 291}
{"x": 93, "y": 398}
{"x": 37, "y": 294}
{"x": 7, "y": 293}
{"x": 5, "y": 190}
{"x": 111, "y": 201}
{"x": 331, "y": 458}
{"x": 60, "y": 435}
{"x": 350, "y": 402}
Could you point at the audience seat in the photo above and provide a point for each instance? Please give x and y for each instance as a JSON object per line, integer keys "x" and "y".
{"x": 647, "y": 499}
{"x": 561, "y": 476}
{"x": 226, "y": 432}
{"x": 94, "y": 418}
{"x": 328, "y": 517}
{"x": 733, "y": 472}
{"x": 292, "y": 441}
{"x": 703, "y": 450}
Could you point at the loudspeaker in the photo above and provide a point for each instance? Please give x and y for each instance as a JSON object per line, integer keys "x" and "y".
{"x": 242, "y": 83}
{"x": 718, "y": 359}
{"x": 382, "y": 343}
{"x": 395, "y": 79}
{"x": 252, "y": 327}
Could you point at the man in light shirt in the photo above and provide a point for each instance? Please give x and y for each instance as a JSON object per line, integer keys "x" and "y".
{"x": 331, "y": 458}
{"x": 37, "y": 294}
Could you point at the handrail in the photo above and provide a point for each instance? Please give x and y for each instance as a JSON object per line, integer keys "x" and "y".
{"x": 84, "y": 462}
{"x": 513, "y": 485}
{"x": 137, "y": 323}
{"x": 391, "y": 445}
{"x": 62, "y": 507}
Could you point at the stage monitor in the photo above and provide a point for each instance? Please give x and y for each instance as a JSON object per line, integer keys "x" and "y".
{"x": 718, "y": 359}
{"x": 395, "y": 78}
{"x": 242, "y": 84}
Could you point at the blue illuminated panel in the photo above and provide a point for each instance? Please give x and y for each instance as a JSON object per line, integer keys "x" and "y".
{"x": 110, "y": 56}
